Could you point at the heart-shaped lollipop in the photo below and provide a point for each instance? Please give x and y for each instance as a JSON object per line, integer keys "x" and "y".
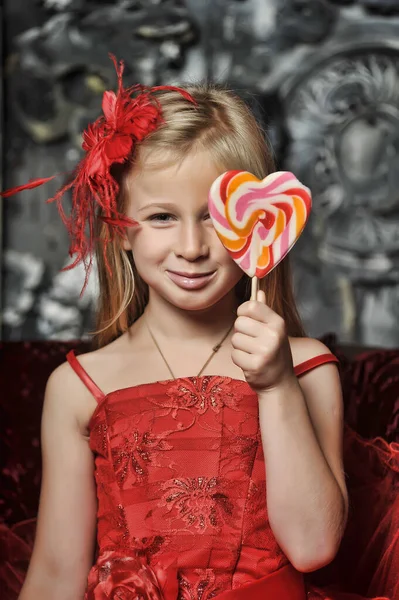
{"x": 258, "y": 222}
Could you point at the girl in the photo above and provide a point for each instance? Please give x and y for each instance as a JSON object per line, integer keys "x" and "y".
{"x": 194, "y": 393}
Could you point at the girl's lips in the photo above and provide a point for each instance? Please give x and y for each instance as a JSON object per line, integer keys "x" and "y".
{"x": 193, "y": 282}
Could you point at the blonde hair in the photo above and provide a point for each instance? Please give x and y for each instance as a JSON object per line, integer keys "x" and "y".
{"x": 222, "y": 124}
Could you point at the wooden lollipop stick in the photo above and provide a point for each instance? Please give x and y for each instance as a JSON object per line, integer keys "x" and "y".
{"x": 254, "y": 288}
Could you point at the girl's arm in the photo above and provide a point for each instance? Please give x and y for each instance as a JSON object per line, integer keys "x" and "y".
{"x": 65, "y": 537}
{"x": 302, "y": 424}
{"x": 302, "y": 427}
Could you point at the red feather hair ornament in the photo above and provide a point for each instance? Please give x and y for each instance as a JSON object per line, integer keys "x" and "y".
{"x": 128, "y": 117}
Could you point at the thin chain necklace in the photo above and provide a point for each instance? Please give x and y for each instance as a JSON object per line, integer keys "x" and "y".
{"x": 208, "y": 360}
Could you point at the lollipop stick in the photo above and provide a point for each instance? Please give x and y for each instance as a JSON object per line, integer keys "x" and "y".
{"x": 254, "y": 288}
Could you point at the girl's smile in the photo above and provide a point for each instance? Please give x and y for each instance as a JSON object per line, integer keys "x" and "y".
{"x": 191, "y": 281}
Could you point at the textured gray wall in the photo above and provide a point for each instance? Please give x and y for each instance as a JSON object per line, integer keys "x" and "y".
{"x": 322, "y": 76}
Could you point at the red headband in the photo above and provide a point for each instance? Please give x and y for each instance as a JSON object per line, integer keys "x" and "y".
{"x": 129, "y": 116}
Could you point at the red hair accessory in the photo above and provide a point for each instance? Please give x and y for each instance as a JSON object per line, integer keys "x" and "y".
{"x": 129, "y": 116}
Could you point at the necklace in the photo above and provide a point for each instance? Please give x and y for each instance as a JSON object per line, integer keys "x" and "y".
{"x": 208, "y": 360}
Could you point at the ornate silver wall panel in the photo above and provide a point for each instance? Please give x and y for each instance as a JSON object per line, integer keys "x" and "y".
{"x": 322, "y": 75}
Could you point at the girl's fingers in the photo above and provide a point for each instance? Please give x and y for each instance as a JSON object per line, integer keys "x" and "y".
{"x": 257, "y": 311}
{"x": 261, "y": 297}
{"x": 246, "y": 343}
{"x": 242, "y": 360}
{"x": 247, "y": 326}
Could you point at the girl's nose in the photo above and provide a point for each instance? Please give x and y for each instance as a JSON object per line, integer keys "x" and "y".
{"x": 192, "y": 243}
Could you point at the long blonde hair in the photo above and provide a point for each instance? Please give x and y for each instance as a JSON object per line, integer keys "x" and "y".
{"x": 222, "y": 124}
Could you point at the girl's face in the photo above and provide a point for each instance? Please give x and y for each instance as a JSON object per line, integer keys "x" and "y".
{"x": 175, "y": 247}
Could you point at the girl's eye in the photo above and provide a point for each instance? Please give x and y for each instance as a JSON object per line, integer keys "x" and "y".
{"x": 165, "y": 217}
{"x": 162, "y": 217}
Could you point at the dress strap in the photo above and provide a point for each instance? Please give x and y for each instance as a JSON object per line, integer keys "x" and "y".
{"x": 84, "y": 376}
{"x": 314, "y": 362}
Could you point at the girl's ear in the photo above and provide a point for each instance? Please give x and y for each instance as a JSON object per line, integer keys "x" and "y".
{"x": 126, "y": 245}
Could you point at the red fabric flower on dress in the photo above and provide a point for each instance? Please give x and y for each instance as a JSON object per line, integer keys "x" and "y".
{"x": 204, "y": 393}
{"x": 205, "y": 587}
{"x": 201, "y": 502}
{"x": 116, "y": 576}
{"x": 136, "y": 452}
{"x": 128, "y": 117}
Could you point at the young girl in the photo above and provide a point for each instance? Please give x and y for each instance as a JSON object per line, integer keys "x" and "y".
{"x": 197, "y": 452}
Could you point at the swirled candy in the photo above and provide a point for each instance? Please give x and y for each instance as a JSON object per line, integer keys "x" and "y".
{"x": 257, "y": 221}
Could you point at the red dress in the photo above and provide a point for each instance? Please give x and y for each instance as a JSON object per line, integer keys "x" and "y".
{"x": 181, "y": 490}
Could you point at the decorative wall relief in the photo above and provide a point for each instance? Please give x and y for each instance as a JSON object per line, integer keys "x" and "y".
{"x": 323, "y": 78}
{"x": 56, "y": 80}
{"x": 342, "y": 115}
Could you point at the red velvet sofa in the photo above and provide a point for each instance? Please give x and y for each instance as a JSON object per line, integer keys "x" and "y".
{"x": 370, "y": 380}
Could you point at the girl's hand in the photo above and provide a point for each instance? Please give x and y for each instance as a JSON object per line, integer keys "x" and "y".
{"x": 261, "y": 347}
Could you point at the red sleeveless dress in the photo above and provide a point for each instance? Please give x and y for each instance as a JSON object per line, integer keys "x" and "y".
{"x": 181, "y": 490}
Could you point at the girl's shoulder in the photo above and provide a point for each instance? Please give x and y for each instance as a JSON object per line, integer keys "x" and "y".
{"x": 66, "y": 391}
{"x": 305, "y": 348}
{"x": 122, "y": 363}
{"x": 94, "y": 359}
{"x": 98, "y": 358}
{"x": 100, "y": 364}
{"x": 67, "y": 399}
